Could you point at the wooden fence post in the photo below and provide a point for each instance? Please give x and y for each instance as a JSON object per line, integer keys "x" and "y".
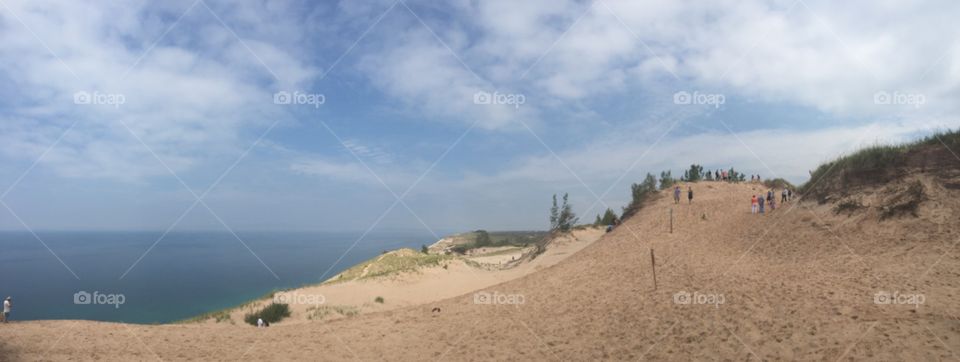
{"x": 653, "y": 266}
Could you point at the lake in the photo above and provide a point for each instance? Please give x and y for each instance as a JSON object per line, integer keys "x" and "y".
{"x": 184, "y": 275}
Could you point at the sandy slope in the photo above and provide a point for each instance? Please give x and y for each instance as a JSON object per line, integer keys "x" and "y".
{"x": 425, "y": 286}
{"x": 798, "y": 284}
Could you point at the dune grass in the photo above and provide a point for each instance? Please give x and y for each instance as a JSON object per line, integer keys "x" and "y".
{"x": 877, "y": 157}
{"x": 392, "y": 263}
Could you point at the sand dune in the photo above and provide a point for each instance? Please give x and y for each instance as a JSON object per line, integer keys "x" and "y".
{"x": 425, "y": 285}
{"x": 799, "y": 283}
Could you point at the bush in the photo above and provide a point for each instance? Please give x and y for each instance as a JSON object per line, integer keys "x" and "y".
{"x": 666, "y": 180}
{"x": 562, "y": 217}
{"x": 640, "y": 193}
{"x": 378, "y": 300}
{"x": 848, "y": 206}
{"x": 694, "y": 174}
{"x": 483, "y": 239}
{"x": 272, "y": 313}
{"x": 609, "y": 218}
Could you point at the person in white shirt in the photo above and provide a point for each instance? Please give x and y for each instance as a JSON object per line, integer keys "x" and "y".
{"x": 7, "y": 304}
{"x": 259, "y": 322}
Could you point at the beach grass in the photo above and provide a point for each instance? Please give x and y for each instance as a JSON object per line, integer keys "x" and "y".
{"x": 391, "y": 263}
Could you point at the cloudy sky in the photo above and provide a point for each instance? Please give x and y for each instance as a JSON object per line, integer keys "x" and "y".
{"x": 454, "y": 115}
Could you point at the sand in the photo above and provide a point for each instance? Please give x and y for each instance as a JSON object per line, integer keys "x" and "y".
{"x": 797, "y": 284}
{"x": 425, "y": 286}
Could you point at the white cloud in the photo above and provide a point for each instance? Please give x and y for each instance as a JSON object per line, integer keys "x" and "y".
{"x": 833, "y": 57}
{"x": 189, "y": 98}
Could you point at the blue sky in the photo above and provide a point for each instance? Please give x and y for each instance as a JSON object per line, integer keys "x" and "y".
{"x": 119, "y": 116}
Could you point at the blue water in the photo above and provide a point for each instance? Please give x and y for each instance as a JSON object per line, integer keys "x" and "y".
{"x": 186, "y": 274}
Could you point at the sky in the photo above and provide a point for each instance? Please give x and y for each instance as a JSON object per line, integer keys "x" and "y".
{"x": 439, "y": 116}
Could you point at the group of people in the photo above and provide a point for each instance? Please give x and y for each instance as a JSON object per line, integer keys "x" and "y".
{"x": 758, "y": 204}
{"x": 721, "y": 175}
{"x": 755, "y": 178}
{"x": 677, "y": 192}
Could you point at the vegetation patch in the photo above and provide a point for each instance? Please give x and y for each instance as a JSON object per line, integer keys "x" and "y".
{"x": 482, "y": 239}
{"x": 903, "y": 202}
{"x": 272, "y": 313}
{"x": 848, "y": 206}
{"x": 319, "y": 312}
{"x": 882, "y": 163}
{"x": 392, "y": 263}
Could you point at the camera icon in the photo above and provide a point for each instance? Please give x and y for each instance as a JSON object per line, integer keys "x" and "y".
{"x": 681, "y": 297}
{"x": 882, "y": 297}
{"x": 81, "y": 98}
{"x": 482, "y": 97}
{"x": 881, "y": 98}
{"x": 282, "y": 97}
{"x": 482, "y": 298}
{"x": 682, "y": 97}
{"x": 82, "y": 297}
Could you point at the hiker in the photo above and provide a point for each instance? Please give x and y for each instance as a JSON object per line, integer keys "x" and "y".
{"x": 773, "y": 201}
{"x": 753, "y": 204}
{"x": 7, "y": 305}
{"x": 783, "y": 196}
{"x": 718, "y": 175}
{"x": 259, "y": 322}
{"x": 676, "y": 194}
{"x": 724, "y": 173}
{"x": 760, "y": 200}
{"x": 789, "y": 194}
{"x": 689, "y": 195}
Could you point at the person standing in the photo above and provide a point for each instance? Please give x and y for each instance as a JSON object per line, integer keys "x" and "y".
{"x": 676, "y": 194}
{"x": 783, "y": 196}
{"x": 689, "y": 195}
{"x": 753, "y": 204}
{"x": 760, "y": 200}
{"x": 7, "y": 305}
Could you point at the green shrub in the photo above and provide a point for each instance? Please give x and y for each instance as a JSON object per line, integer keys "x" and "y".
{"x": 378, "y": 300}
{"x": 847, "y": 206}
{"x": 562, "y": 217}
{"x": 640, "y": 193}
{"x": 272, "y": 313}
